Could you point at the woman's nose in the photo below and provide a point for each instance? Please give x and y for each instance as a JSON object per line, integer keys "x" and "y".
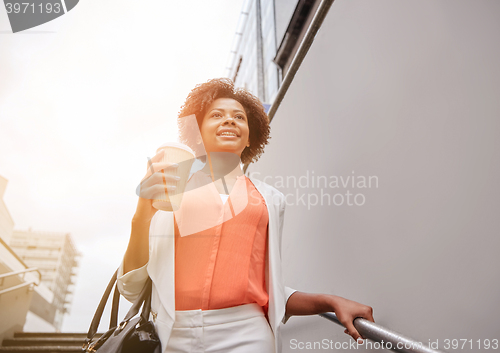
{"x": 229, "y": 119}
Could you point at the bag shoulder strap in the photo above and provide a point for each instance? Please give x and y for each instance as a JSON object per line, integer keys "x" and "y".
{"x": 144, "y": 297}
{"x": 100, "y": 309}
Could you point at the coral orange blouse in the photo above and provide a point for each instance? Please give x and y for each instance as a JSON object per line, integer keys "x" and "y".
{"x": 220, "y": 248}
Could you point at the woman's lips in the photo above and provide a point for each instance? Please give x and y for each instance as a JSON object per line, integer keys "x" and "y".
{"x": 230, "y": 137}
{"x": 228, "y": 134}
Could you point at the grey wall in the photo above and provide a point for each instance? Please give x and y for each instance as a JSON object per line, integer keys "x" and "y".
{"x": 406, "y": 91}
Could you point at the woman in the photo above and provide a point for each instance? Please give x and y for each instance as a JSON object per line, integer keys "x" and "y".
{"x": 215, "y": 262}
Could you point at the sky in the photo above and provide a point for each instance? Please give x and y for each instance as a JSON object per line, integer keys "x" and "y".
{"x": 84, "y": 100}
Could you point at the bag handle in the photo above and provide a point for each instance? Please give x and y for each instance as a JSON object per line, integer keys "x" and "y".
{"x": 144, "y": 296}
{"x": 100, "y": 309}
{"x": 146, "y": 309}
{"x": 113, "y": 319}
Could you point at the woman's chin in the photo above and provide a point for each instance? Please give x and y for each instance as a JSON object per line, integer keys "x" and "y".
{"x": 227, "y": 149}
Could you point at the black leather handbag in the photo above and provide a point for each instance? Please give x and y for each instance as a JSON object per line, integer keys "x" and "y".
{"x": 133, "y": 334}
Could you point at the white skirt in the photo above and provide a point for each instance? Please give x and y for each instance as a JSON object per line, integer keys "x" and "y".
{"x": 239, "y": 329}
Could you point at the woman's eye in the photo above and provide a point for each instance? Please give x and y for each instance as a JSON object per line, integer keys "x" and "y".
{"x": 240, "y": 117}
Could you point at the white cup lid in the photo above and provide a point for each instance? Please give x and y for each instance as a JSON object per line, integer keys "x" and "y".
{"x": 176, "y": 145}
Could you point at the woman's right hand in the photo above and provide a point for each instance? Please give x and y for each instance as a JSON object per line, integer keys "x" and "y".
{"x": 157, "y": 181}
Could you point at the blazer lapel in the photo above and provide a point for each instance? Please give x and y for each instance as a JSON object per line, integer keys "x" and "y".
{"x": 275, "y": 286}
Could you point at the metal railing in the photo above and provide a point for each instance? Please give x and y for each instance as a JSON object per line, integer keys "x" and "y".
{"x": 19, "y": 286}
{"x": 22, "y": 285}
{"x": 386, "y": 338}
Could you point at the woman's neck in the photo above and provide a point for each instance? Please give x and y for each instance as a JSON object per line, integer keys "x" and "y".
{"x": 223, "y": 165}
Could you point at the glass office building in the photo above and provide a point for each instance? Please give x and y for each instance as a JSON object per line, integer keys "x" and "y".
{"x": 250, "y": 63}
{"x": 266, "y": 39}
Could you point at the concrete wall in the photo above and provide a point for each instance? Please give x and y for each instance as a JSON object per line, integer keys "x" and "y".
{"x": 14, "y": 304}
{"x": 406, "y": 91}
{"x": 6, "y": 221}
{"x": 13, "y": 309}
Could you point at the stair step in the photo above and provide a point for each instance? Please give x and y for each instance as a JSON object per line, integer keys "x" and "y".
{"x": 46, "y": 349}
{"x": 53, "y": 334}
{"x": 42, "y": 341}
{"x": 45, "y": 342}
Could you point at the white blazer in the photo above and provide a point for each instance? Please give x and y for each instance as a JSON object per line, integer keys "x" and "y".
{"x": 161, "y": 268}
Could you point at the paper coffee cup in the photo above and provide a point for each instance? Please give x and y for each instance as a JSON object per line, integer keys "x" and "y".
{"x": 184, "y": 156}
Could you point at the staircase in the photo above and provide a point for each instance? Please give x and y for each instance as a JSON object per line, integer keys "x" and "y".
{"x": 44, "y": 342}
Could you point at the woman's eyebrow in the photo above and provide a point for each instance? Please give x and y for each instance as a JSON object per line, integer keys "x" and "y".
{"x": 234, "y": 110}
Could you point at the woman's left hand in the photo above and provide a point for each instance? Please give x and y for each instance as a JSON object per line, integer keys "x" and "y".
{"x": 348, "y": 310}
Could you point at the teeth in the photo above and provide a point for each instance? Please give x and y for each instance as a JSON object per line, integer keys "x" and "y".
{"x": 228, "y": 134}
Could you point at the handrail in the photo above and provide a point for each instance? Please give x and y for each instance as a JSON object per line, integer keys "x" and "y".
{"x": 14, "y": 273}
{"x": 389, "y": 339}
{"x": 19, "y": 286}
{"x": 306, "y": 43}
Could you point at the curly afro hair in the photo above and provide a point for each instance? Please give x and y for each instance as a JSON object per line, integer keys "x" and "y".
{"x": 203, "y": 95}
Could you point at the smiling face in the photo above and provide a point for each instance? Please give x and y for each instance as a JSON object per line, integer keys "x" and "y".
{"x": 225, "y": 127}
